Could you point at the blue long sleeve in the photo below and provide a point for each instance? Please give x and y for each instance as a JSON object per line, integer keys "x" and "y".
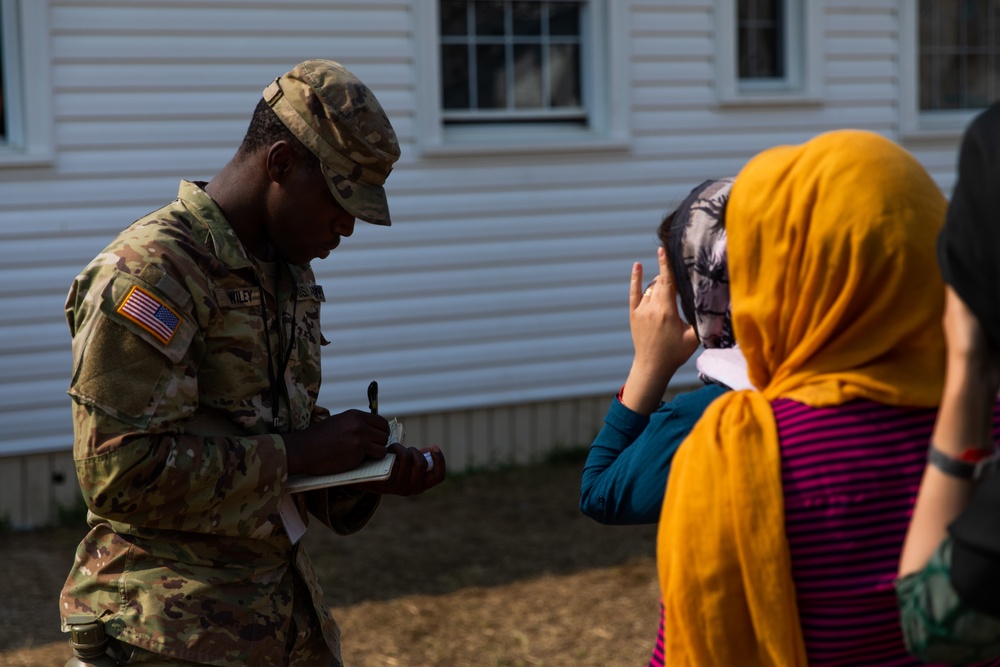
{"x": 625, "y": 475}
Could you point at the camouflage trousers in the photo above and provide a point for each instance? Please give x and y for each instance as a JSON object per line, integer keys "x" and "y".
{"x": 937, "y": 625}
{"x": 306, "y": 645}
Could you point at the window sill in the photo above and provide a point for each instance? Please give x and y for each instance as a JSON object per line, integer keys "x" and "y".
{"x": 518, "y": 140}
{"x": 940, "y": 125}
{"x": 770, "y": 98}
{"x": 11, "y": 158}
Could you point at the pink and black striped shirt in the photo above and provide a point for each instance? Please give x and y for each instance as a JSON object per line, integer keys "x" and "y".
{"x": 850, "y": 475}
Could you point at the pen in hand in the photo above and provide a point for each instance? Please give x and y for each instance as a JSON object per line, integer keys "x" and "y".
{"x": 373, "y": 406}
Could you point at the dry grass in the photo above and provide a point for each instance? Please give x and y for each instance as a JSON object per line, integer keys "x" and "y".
{"x": 492, "y": 569}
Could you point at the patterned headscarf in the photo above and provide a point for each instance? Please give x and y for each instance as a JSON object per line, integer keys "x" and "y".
{"x": 696, "y": 250}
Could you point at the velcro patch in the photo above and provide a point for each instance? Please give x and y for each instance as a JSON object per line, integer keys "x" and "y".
{"x": 150, "y": 313}
{"x": 311, "y": 291}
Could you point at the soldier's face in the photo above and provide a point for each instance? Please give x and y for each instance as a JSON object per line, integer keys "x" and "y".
{"x": 307, "y": 223}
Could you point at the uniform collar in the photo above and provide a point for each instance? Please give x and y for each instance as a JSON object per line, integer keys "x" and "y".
{"x": 228, "y": 246}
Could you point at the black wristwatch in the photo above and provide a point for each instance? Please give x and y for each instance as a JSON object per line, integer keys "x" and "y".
{"x": 972, "y": 470}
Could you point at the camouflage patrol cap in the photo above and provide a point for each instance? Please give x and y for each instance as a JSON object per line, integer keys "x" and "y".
{"x": 337, "y": 117}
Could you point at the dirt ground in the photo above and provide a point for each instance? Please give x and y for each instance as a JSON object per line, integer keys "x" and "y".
{"x": 489, "y": 569}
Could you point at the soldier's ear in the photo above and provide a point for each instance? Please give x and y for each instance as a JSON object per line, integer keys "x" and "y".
{"x": 278, "y": 160}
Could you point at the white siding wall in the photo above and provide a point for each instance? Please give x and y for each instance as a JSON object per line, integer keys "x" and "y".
{"x": 501, "y": 285}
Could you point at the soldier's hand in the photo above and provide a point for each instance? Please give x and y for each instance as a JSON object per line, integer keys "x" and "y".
{"x": 340, "y": 442}
{"x": 411, "y": 473}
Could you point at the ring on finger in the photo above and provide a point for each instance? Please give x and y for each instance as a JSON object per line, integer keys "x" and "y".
{"x": 649, "y": 290}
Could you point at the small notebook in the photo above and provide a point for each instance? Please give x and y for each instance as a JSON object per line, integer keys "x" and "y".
{"x": 372, "y": 470}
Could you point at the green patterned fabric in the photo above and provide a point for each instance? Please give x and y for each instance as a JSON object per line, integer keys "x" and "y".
{"x": 937, "y": 625}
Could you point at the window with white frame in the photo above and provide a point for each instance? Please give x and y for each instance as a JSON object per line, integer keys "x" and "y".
{"x": 25, "y": 94}
{"x": 768, "y": 50}
{"x": 959, "y": 54}
{"x": 519, "y": 75}
{"x": 511, "y": 61}
{"x": 949, "y": 63}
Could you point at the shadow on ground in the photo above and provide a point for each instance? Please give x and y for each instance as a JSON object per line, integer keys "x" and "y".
{"x": 515, "y": 532}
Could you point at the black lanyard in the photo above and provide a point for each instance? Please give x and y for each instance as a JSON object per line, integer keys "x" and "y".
{"x": 276, "y": 376}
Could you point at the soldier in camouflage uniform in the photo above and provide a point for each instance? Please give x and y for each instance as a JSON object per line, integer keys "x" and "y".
{"x": 196, "y": 367}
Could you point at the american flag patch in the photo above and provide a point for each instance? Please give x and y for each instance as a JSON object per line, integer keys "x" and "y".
{"x": 150, "y": 313}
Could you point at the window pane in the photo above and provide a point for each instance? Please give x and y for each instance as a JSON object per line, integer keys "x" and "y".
{"x": 977, "y": 30}
{"x": 761, "y": 39}
{"x": 455, "y": 76}
{"x": 564, "y": 70}
{"x": 527, "y": 18}
{"x": 945, "y": 91}
{"x": 454, "y": 17}
{"x": 959, "y": 53}
{"x": 564, "y": 18}
{"x": 927, "y": 92}
{"x": 491, "y": 76}
{"x": 948, "y": 26}
{"x": 978, "y": 82}
{"x": 760, "y": 55}
{"x": 747, "y": 53}
{"x": 489, "y": 18}
{"x": 3, "y": 102}
{"x": 763, "y": 10}
{"x": 744, "y": 9}
{"x": 528, "y": 76}
{"x": 928, "y": 25}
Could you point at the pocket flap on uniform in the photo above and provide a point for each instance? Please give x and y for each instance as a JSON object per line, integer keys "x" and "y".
{"x": 119, "y": 371}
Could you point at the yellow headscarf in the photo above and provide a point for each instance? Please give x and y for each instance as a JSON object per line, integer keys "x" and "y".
{"x": 836, "y": 295}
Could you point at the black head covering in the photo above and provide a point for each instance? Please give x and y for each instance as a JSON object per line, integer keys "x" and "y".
{"x": 969, "y": 244}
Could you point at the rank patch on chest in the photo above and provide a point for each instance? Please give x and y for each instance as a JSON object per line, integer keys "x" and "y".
{"x": 150, "y": 313}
